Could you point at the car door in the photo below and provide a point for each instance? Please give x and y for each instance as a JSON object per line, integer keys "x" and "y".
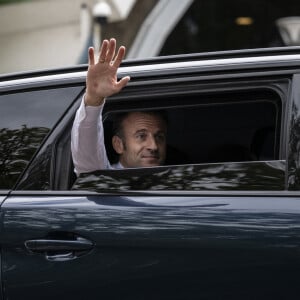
{"x": 28, "y": 114}
{"x": 233, "y": 236}
{"x": 200, "y": 246}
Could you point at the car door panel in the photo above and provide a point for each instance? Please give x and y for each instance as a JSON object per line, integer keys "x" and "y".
{"x": 146, "y": 247}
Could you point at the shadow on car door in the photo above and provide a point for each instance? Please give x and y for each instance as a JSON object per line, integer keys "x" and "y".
{"x": 80, "y": 245}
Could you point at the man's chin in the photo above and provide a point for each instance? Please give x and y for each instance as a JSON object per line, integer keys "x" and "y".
{"x": 150, "y": 162}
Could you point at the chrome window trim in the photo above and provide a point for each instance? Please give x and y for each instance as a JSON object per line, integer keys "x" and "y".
{"x": 227, "y": 63}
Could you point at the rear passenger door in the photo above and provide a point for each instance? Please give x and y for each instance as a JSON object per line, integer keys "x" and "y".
{"x": 29, "y": 114}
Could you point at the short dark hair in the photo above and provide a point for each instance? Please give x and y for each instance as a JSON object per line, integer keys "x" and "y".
{"x": 118, "y": 119}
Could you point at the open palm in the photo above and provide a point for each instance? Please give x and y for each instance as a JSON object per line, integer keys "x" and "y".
{"x": 102, "y": 75}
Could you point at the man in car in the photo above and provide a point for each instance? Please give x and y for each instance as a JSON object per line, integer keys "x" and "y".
{"x": 140, "y": 137}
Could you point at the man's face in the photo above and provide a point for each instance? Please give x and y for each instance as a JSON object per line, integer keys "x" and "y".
{"x": 144, "y": 141}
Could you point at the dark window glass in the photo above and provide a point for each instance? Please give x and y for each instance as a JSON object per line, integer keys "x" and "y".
{"x": 25, "y": 120}
{"x": 214, "y": 25}
{"x": 226, "y": 132}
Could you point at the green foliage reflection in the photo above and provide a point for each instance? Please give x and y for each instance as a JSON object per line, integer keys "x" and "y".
{"x": 258, "y": 176}
{"x": 17, "y": 147}
{"x": 12, "y": 1}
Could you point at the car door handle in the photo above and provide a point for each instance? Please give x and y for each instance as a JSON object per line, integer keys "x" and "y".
{"x": 59, "y": 249}
{"x": 46, "y": 245}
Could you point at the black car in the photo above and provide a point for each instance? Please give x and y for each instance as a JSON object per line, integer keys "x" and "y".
{"x": 221, "y": 220}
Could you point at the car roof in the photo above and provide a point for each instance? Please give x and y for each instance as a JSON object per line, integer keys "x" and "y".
{"x": 264, "y": 57}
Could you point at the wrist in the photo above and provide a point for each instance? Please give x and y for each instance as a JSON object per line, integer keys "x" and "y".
{"x": 93, "y": 101}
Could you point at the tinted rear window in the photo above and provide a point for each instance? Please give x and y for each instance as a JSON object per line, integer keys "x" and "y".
{"x": 25, "y": 120}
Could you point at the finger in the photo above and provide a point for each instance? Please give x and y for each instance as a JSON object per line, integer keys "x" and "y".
{"x": 111, "y": 50}
{"x": 91, "y": 56}
{"x": 103, "y": 51}
{"x": 119, "y": 57}
{"x": 123, "y": 82}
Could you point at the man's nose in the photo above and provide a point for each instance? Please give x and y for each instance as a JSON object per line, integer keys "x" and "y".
{"x": 152, "y": 144}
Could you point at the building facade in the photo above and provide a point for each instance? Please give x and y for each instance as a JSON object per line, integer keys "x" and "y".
{"x": 41, "y": 34}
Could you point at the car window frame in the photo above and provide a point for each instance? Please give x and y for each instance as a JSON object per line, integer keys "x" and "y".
{"x": 280, "y": 86}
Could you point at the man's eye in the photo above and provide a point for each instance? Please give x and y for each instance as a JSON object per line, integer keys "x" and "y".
{"x": 160, "y": 137}
{"x": 141, "y": 136}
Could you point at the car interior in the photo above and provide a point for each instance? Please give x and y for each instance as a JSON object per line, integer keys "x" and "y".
{"x": 225, "y": 130}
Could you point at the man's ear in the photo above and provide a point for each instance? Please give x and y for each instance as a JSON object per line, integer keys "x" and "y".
{"x": 117, "y": 144}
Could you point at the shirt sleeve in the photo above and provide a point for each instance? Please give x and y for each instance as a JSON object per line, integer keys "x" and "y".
{"x": 87, "y": 140}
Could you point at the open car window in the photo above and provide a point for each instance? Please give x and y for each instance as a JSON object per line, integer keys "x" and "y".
{"x": 215, "y": 142}
{"x": 219, "y": 132}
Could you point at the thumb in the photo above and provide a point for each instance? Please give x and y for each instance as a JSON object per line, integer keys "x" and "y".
{"x": 123, "y": 82}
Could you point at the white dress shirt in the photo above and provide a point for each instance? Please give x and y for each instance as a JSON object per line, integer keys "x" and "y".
{"x": 87, "y": 140}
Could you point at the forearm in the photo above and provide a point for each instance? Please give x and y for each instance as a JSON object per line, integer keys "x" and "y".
{"x": 87, "y": 140}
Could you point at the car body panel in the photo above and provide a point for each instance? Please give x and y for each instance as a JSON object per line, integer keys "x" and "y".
{"x": 142, "y": 240}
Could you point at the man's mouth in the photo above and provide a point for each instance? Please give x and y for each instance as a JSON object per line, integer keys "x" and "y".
{"x": 150, "y": 157}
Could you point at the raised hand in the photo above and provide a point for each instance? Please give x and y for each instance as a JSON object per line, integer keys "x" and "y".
{"x": 101, "y": 78}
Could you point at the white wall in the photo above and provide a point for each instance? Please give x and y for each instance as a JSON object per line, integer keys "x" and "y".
{"x": 42, "y": 34}
{"x": 39, "y": 34}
